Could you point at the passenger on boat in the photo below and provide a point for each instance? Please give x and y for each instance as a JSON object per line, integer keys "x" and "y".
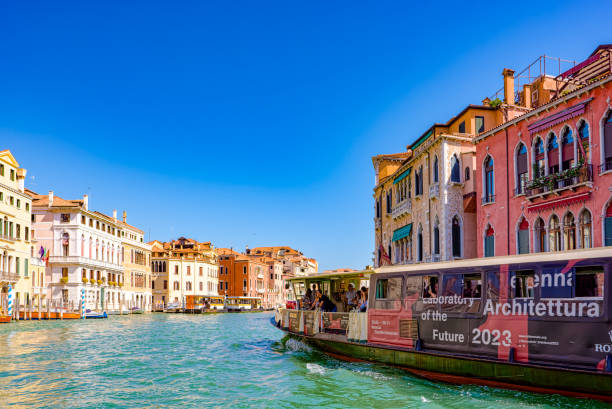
{"x": 350, "y": 297}
{"x": 325, "y": 304}
{"x": 431, "y": 291}
{"x": 307, "y": 300}
{"x": 363, "y": 302}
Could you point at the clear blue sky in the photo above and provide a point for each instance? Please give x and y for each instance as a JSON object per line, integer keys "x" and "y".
{"x": 254, "y": 123}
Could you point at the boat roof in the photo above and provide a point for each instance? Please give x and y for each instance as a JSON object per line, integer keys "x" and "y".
{"x": 546, "y": 257}
{"x": 334, "y": 276}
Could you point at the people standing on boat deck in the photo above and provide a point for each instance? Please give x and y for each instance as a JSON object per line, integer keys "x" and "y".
{"x": 325, "y": 304}
{"x": 363, "y": 302}
{"x": 307, "y": 300}
{"x": 350, "y": 297}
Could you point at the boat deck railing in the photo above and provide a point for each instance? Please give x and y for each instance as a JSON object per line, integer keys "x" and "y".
{"x": 347, "y": 326}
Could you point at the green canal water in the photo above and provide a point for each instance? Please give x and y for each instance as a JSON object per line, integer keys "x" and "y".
{"x": 224, "y": 360}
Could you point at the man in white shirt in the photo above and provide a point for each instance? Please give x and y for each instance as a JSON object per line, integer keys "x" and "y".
{"x": 350, "y": 297}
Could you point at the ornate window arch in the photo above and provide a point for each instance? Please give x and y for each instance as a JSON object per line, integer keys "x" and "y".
{"x": 606, "y": 141}
{"x": 456, "y": 236}
{"x": 585, "y": 227}
{"x": 554, "y": 234}
{"x": 522, "y": 235}
{"x": 568, "y": 148}
{"x": 455, "y": 171}
{"x": 552, "y": 153}
{"x": 569, "y": 231}
{"x": 489, "y": 241}
{"x": 521, "y": 166}
{"x": 488, "y": 179}
{"x": 540, "y": 236}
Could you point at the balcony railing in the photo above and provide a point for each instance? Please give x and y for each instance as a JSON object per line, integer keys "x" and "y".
{"x": 403, "y": 207}
{"x": 84, "y": 261}
{"x": 8, "y": 277}
{"x": 607, "y": 165}
{"x": 568, "y": 179}
{"x": 488, "y": 198}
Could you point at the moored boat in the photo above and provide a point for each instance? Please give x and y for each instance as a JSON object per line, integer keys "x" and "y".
{"x": 95, "y": 315}
{"x": 537, "y": 322}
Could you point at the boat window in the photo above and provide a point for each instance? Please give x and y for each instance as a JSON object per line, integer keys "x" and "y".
{"x": 430, "y": 286}
{"x": 388, "y": 293}
{"x": 413, "y": 287}
{"x": 522, "y": 284}
{"x": 461, "y": 292}
{"x": 589, "y": 282}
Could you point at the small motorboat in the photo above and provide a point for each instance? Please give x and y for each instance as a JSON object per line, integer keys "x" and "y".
{"x": 95, "y": 315}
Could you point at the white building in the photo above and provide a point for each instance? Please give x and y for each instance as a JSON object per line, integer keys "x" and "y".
{"x": 85, "y": 252}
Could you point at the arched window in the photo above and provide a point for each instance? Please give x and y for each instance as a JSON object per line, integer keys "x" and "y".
{"x": 585, "y": 229}
{"x": 435, "y": 169}
{"x": 455, "y": 170}
{"x": 467, "y": 173}
{"x": 176, "y": 285}
{"x": 567, "y": 150}
{"x": 456, "y": 237}
{"x": 523, "y": 237}
{"x": 554, "y": 234}
{"x": 436, "y": 237}
{"x": 489, "y": 181}
{"x": 607, "y": 142}
{"x": 584, "y": 145}
{"x": 420, "y": 244}
{"x": 65, "y": 244}
{"x": 489, "y": 242}
{"x": 608, "y": 227}
{"x": 569, "y": 232}
{"x": 522, "y": 169}
{"x": 540, "y": 235}
{"x": 539, "y": 165}
{"x": 552, "y": 152}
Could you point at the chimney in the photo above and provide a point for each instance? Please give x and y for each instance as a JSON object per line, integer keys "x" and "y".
{"x": 50, "y": 198}
{"x": 527, "y": 95}
{"x": 115, "y": 215}
{"x": 124, "y": 217}
{"x": 86, "y": 202}
{"x": 248, "y": 250}
{"x": 508, "y": 75}
{"x": 21, "y": 174}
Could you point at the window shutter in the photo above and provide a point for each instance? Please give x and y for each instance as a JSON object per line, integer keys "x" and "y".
{"x": 523, "y": 245}
{"x": 608, "y": 231}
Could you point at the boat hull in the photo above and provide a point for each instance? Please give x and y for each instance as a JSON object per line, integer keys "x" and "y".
{"x": 470, "y": 370}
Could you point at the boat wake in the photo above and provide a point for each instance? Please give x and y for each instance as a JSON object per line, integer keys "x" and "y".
{"x": 297, "y": 346}
{"x": 315, "y": 369}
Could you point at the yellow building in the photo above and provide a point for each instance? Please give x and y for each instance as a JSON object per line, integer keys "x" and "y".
{"x": 183, "y": 267}
{"x": 137, "y": 267}
{"x": 16, "y": 248}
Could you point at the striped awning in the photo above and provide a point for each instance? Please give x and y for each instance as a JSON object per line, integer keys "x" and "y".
{"x": 402, "y": 232}
{"x": 559, "y": 117}
{"x": 401, "y": 176}
{"x": 563, "y": 201}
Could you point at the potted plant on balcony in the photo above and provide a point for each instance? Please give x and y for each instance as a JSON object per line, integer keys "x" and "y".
{"x": 64, "y": 280}
{"x": 100, "y": 282}
{"x": 120, "y": 284}
{"x": 92, "y": 280}
{"x": 84, "y": 280}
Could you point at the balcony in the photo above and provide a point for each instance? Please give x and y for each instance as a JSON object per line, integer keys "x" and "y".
{"x": 434, "y": 191}
{"x": 84, "y": 261}
{"x": 403, "y": 207}
{"x": 558, "y": 182}
{"x": 7, "y": 238}
{"x": 8, "y": 277}
{"x": 377, "y": 222}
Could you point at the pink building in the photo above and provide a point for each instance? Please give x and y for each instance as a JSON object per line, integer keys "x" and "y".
{"x": 545, "y": 181}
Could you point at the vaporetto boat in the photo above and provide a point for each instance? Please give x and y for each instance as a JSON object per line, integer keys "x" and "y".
{"x": 536, "y": 322}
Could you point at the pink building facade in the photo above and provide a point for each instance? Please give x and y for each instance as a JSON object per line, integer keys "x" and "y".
{"x": 546, "y": 176}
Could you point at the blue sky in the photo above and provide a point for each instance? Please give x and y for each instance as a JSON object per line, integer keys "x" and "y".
{"x": 254, "y": 123}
